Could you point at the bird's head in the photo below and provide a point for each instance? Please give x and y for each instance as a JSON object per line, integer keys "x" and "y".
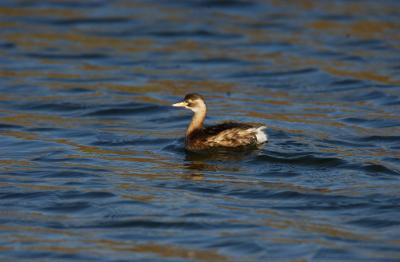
{"x": 194, "y": 102}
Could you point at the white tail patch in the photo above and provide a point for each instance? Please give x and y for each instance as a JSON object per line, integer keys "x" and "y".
{"x": 261, "y": 135}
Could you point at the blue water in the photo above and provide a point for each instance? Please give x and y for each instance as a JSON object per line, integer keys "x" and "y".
{"x": 92, "y": 163}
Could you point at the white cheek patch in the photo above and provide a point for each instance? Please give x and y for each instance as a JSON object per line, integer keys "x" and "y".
{"x": 193, "y": 109}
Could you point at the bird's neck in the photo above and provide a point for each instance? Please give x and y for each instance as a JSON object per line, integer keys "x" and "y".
{"x": 197, "y": 121}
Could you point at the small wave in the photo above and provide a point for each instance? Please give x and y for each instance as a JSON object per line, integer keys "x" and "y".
{"x": 225, "y": 4}
{"x": 264, "y": 194}
{"x": 25, "y": 195}
{"x": 375, "y": 222}
{"x": 43, "y": 129}
{"x": 378, "y": 139}
{"x": 216, "y": 60}
{"x": 79, "y": 90}
{"x": 54, "y": 107}
{"x": 202, "y": 33}
{"x": 8, "y": 126}
{"x": 342, "y": 143}
{"x": 393, "y": 103}
{"x": 352, "y": 58}
{"x": 307, "y": 160}
{"x": 80, "y": 79}
{"x": 289, "y": 194}
{"x": 192, "y": 34}
{"x": 336, "y": 17}
{"x": 154, "y": 224}
{"x": 294, "y": 200}
{"x": 66, "y": 4}
{"x": 367, "y": 44}
{"x": 97, "y": 20}
{"x": 69, "y": 174}
{"x": 66, "y": 56}
{"x": 85, "y": 195}
{"x": 376, "y": 168}
{"x": 373, "y": 95}
{"x": 376, "y": 123}
{"x": 201, "y": 214}
{"x": 277, "y": 26}
{"x": 175, "y": 148}
{"x": 346, "y": 82}
{"x": 151, "y": 224}
{"x": 125, "y": 111}
{"x": 142, "y": 141}
{"x": 172, "y": 119}
{"x": 67, "y": 207}
{"x": 55, "y": 158}
{"x": 274, "y": 74}
{"x": 7, "y": 45}
{"x": 284, "y": 174}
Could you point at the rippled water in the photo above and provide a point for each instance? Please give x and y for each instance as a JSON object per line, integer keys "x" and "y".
{"x": 91, "y": 152}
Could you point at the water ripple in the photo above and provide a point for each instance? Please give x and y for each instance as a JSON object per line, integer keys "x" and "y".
{"x": 307, "y": 159}
{"x": 66, "y": 56}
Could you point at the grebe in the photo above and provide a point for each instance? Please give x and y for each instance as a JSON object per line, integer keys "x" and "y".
{"x": 225, "y": 135}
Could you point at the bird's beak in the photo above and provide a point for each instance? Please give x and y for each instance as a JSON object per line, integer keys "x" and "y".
{"x": 180, "y": 104}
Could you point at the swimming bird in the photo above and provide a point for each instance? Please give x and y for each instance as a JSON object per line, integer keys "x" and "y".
{"x": 227, "y": 135}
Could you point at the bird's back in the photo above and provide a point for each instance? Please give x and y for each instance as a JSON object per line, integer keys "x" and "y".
{"x": 227, "y": 134}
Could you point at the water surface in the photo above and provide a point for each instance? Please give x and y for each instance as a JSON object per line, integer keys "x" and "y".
{"x": 91, "y": 152}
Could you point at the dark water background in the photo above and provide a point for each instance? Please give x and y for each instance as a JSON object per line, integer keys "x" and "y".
{"x": 91, "y": 156}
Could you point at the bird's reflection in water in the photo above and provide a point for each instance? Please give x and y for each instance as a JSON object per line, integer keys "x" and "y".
{"x": 226, "y": 161}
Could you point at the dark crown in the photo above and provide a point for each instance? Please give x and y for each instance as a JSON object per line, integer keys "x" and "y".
{"x": 193, "y": 97}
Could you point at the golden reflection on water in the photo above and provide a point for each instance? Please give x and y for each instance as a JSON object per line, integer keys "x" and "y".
{"x": 14, "y": 162}
{"x": 36, "y": 120}
{"x": 32, "y": 229}
{"x": 179, "y": 252}
{"x": 162, "y": 250}
{"x": 364, "y": 75}
{"x": 140, "y": 198}
{"x": 360, "y": 29}
{"x": 39, "y": 12}
{"x": 281, "y": 221}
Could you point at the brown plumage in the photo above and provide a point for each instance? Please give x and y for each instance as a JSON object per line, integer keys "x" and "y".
{"x": 225, "y": 135}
